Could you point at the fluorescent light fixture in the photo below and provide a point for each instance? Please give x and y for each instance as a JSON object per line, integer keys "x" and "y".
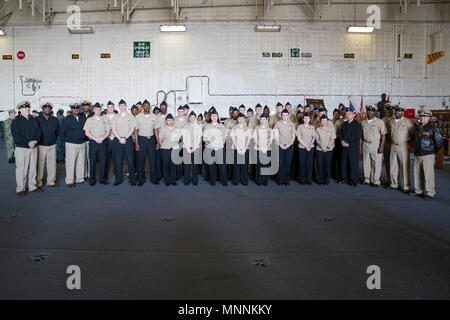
{"x": 2, "y": 32}
{"x": 360, "y": 29}
{"x": 267, "y": 28}
{"x": 81, "y": 30}
{"x": 174, "y": 28}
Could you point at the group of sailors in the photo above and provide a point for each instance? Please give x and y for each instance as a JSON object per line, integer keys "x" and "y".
{"x": 249, "y": 144}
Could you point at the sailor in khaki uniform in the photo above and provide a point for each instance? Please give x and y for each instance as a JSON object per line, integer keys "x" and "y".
{"x": 191, "y": 134}
{"x": 325, "y": 136}
{"x": 161, "y": 124}
{"x": 146, "y": 125}
{"x": 242, "y": 110}
{"x": 241, "y": 136}
{"x": 300, "y": 114}
{"x": 401, "y": 130}
{"x": 292, "y": 115}
{"x": 317, "y": 122}
{"x": 253, "y": 121}
{"x": 97, "y": 129}
{"x": 26, "y": 135}
{"x": 306, "y": 136}
{"x": 180, "y": 121}
{"x": 123, "y": 127}
{"x": 374, "y": 134}
{"x": 169, "y": 136}
{"x": 229, "y": 153}
{"x": 387, "y": 145}
{"x": 109, "y": 142}
{"x": 262, "y": 137}
{"x": 186, "y": 109}
{"x": 284, "y": 134}
{"x": 277, "y": 116}
{"x": 250, "y": 114}
{"x": 214, "y": 136}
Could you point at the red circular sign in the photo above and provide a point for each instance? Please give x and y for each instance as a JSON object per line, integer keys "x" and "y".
{"x": 21, "y": 55}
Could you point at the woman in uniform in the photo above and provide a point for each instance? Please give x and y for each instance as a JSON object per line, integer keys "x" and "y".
{"x": 191, "y": 134}
{"x": 262, "y": 136}
{"x": 241, "y": 136}
{"x": 325, "y": 136}
{"x": 214, "y": 135}
{"x": 168, "y": 140}
{"x": 306, "y": 138}
{"x": 200, "y": 119}
{"x": 284, "y": 133}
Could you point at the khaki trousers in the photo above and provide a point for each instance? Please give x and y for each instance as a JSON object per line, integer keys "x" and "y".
{"x": 387, "y": 158}
{"x": 400, "y": 160}
{"x": 372, "y": 163}
{"x": 86, "y": 161}
{"x": 46, "y": 154}
{"x": 75, "y": 160}
{"x": 26, "y": 163}
{"x": 424, "y": 174}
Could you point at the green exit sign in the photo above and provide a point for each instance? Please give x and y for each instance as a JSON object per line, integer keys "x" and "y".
{"x": 141, "y": 49}
{"x": 295, "y": 53}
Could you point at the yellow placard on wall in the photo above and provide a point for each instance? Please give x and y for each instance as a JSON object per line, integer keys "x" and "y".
{"x": 434, "y": 56}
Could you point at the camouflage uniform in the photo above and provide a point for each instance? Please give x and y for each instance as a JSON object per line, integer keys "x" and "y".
{"x": 9, "y": 141}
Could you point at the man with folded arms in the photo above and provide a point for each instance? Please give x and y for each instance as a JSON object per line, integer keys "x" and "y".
{"x": 49, "y": 127}
{"x": 73, "y": 134}
{"x": 26, "y": 134}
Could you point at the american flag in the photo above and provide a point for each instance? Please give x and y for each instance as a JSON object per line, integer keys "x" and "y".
{"x": 362, "y": 109}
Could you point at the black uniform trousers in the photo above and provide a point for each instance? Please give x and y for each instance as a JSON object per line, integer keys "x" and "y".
{"x": 259, "y": 178}
{"x": 284, "y": 164}
{"x": 323, "y": 166}
{"x": 217, "y": 167}
{"x": 336, "y": 163}
{"x": 158, "y": 164}
{"x": 119, "y": 150}
{"x": 305, "y": 165}
{"x": 190, "y": 168}
{"x": 350, "y": 164}
{"x": 179, "y": 167}
{"x": 168, "y": 167}
{"x": 295, "y": 165}
{"x": 147, "y": 147}
{"x": 240, "y": 168}
{"x": 204, "y": 166}
{"x": 109, "y": 154}
{"x": 97, "y": 151}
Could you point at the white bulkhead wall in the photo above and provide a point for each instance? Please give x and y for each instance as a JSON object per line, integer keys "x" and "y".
{"x": 230, "y": 54}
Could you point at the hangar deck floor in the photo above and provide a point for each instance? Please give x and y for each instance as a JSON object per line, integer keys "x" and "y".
{"x": 188, "y": 242}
